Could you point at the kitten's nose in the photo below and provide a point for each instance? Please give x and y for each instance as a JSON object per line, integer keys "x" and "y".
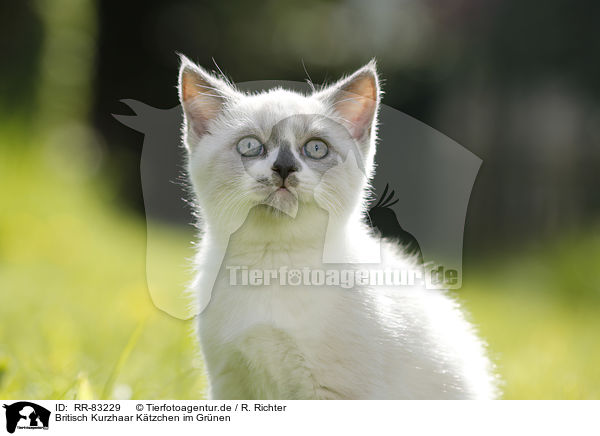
{"x": 285, "y": 164}
{"x": 283, "y": 170}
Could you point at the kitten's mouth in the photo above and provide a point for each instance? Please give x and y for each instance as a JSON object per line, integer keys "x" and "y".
{"x": 283, "y": 199}
{"x": 284, "y": 191}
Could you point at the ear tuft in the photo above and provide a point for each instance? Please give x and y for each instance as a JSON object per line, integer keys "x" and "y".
{"x": 201, "y": 94}
{"x": 356, "y": 99}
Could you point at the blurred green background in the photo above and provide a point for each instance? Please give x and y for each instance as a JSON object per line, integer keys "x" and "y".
{"x": 516, "y": 82}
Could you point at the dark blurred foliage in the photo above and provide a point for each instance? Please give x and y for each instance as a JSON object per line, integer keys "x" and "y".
{"x": 20, "y": 44}
{"x": 516, "y": 82}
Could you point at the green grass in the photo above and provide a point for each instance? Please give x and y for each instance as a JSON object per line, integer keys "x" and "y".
{"x": 76, "y": 316}
{"x": 540, "y": 313}
{"x": 77, "y": 320}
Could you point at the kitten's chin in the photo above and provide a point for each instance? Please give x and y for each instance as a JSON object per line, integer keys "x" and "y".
{"x": 282, "y": 201}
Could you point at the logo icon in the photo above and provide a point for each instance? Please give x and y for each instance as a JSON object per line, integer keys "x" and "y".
{"x": 423, "y": 183}
{"x": 382, "y": 217}
{"x": 26, "y": 415}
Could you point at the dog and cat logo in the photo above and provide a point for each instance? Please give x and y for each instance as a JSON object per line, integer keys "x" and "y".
{"x": 421, "y": 189}
{"x": 26, "y": 415}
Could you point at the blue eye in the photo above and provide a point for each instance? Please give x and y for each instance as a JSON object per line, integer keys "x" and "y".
{"x": 316, "y": 149}
{"x": 250, "y": 147}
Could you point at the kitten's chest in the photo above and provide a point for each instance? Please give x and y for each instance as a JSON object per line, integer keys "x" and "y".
{"x": 286, "y": 304}
{"x": 286, "y": 326}
{"x": 273, "y": 336}
{"x": 264, "y": 256}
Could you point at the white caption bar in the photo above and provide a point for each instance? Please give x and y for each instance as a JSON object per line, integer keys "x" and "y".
{"x": 300, "y": 417}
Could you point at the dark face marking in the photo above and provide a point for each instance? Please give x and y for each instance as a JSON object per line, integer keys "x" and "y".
{"x": 286, "y": 162}
{"x": 289, "y": 156}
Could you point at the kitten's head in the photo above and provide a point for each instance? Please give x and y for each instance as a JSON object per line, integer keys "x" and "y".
{"x": 279, "y": 150}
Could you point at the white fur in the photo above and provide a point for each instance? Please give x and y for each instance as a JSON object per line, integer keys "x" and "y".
{"x": 286, "y": 342}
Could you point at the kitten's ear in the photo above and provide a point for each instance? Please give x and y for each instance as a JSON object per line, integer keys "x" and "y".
{"x": 356, "y": 100}
{"x": 202, "y": 95}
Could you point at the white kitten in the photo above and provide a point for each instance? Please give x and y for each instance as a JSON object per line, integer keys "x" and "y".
{"x": 280, "y": 180}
